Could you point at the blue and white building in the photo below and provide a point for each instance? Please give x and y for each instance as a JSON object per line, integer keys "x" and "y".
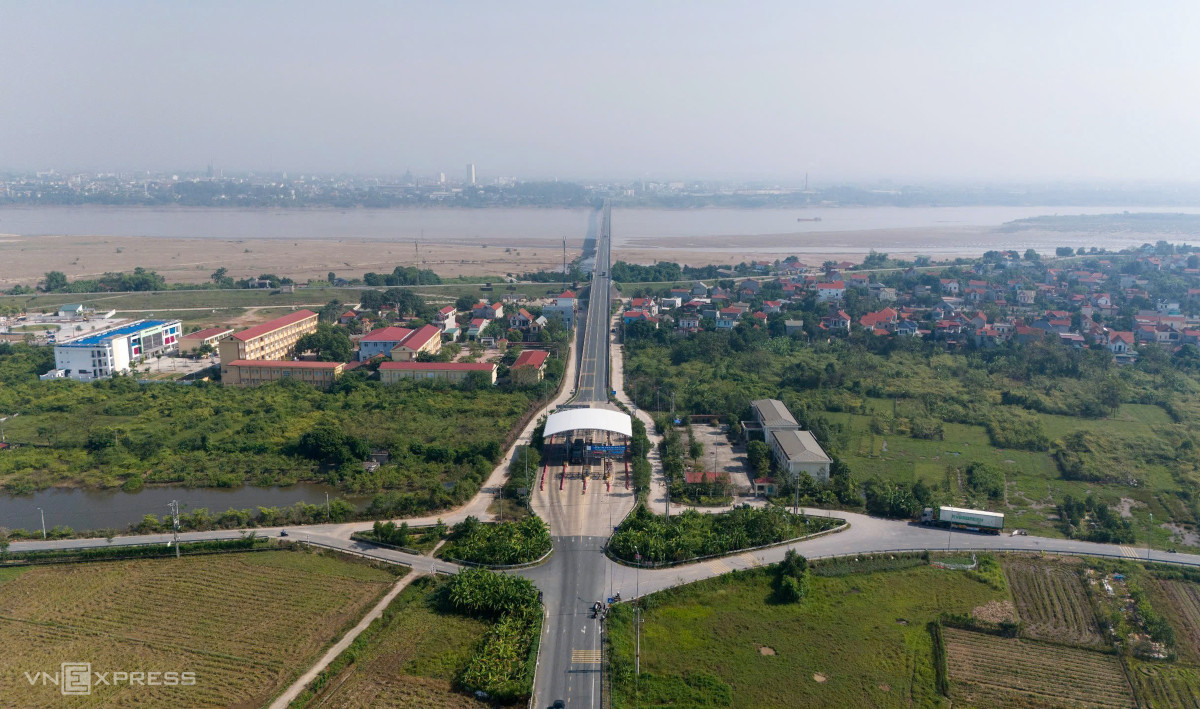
{"x": 116, "y": 350}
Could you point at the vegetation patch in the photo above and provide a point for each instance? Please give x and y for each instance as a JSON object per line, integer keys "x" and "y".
{"x": 499, "y": 544}
{"x": 691, "y": 534}
{"x": 246, "y": 624}
{"x": 401, "y": 537}
{"x": 1182, "y": 609}
{"x": 107, "y": 433}
{"x": 503, "y": 664}
{"x": 868, "y": 563}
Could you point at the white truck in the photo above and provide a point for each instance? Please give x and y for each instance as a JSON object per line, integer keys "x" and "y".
{"x": 961, "y": 518}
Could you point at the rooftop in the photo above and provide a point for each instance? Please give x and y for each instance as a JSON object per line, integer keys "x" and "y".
{"x": 387, "y": 334}
{"x": 418, "y": 339}
{"x": 531, "y": 358}
{"x": 801, "y": 446}
{"x": 773, "y": 413}
{"x": 205, "y": 334}
{"x": 272, "y": 325}
{"x": 131, "y": 328}
{"x": 588, "y": 420}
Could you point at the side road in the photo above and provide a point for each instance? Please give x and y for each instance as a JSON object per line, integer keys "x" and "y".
{"x": 283, "y": 700}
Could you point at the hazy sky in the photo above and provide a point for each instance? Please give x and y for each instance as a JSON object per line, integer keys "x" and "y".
{"x": 845, "y": 90}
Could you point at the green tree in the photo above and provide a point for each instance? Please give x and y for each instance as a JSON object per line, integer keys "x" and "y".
{"x": 759, "y": 454}
{"x": 330, "y": 343}
{"x": 986, "y": 479}
{"x": 55, "y": 281}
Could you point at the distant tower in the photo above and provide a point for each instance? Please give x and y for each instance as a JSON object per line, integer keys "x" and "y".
{"x": 441, "y": 178}
{"x": 210, "y": 170}
{"x": 471, "y": 174}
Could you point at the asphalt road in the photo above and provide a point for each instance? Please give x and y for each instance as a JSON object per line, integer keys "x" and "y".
{"x": 578, "y": 574}
{"x": 593, "y": 387}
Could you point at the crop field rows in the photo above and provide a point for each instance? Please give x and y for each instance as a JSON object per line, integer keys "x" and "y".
{"x": 1003, "y": 673}
{"x": 245, "y": 624}
{"x": 1051, "y": 601}
{"x": 1160, "y": 686}
{"x": 1183, "y": 600}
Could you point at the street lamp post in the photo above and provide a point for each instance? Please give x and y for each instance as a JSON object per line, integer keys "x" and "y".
{"x": 43, "y": 513}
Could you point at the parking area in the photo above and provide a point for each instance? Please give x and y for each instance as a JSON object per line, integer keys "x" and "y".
{"x": 722, "y": 457}
{"x": 168, "y": 367}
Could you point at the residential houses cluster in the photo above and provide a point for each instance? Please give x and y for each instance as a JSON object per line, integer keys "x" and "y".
{"x": 1113, "y": 301}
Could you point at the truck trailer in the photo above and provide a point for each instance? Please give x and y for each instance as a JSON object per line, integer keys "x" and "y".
{"x": 960, "y": 518}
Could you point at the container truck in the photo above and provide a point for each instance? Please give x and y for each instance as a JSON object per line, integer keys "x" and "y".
{"x": 960, "y": 518}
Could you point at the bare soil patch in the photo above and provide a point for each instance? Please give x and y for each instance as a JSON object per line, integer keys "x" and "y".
{"x": 996, "y": 612}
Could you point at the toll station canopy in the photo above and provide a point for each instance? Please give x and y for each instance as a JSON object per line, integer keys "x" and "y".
{"x": 588, "y": 420}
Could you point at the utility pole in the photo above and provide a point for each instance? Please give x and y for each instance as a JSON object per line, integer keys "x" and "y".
{"x": 328, "y": 516}
{"x": 1150, "y": 537}
{"x": 43, "y": 513}
{"x": 174, "y": 507}
{"x": 637, "y": 662}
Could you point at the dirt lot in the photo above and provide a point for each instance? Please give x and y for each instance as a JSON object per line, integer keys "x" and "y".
{"x": 722, "y": 457}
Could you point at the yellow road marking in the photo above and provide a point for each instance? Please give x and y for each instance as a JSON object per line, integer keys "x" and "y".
{"x": 751, "y": 560}
{"x": 719, "y": 566}
{"x": 1128, "y": 553}
{"x": 585, "y": 657}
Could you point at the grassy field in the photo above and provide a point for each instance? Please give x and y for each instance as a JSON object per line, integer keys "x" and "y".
{"x": 1008, "y": 673}
{"x": 411, "y": 658}
{"x": 1033, "y": 483}
{"x": 246, "y": 624}
{"x": 855, "y": 641}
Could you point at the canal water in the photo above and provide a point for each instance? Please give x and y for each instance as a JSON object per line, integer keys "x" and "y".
{"x": 116, "y": 509}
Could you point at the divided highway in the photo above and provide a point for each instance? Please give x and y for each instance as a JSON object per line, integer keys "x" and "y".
{"x": 581, "y": 519}
{"x": 593, "y": 385}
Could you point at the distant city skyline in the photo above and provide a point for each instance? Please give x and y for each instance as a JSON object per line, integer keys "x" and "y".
{"x": 925, "y": 92}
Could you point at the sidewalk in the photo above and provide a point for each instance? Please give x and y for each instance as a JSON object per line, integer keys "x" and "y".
{"x": 656, "y": 499}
